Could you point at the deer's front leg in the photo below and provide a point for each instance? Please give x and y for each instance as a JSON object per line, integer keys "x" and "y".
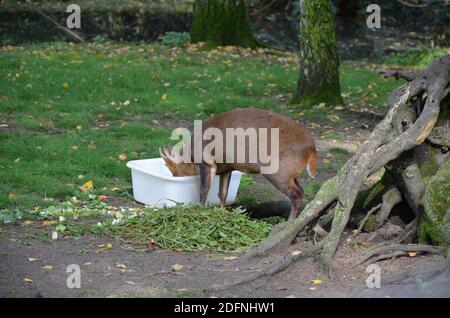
{"x": 224, "y": 183}
{"x": 207, "y": 173}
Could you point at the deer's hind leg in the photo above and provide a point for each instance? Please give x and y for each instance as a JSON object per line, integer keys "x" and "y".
{"x": 289, "y": 186}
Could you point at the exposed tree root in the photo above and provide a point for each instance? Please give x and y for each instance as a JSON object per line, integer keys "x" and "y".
{"x": 390, "y": 199}
{"x": 390, "y": 255}
{"x": 280, "y": 263}
{"x": 424, "y": 274}
{"x": 409, "y": 231}
{"x": 384, "y": 252}
{"x": 390, "y": 138}
{"x": 371, "y": 211}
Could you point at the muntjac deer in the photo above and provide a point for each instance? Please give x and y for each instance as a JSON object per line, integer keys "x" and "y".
{"x": 296, "y": 151}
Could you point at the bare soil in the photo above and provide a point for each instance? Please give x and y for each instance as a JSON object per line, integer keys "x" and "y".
{"x": 122, "y": 272}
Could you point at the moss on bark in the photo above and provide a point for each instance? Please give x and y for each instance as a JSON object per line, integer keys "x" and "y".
{"x": 434, "y": 222}
{"x": 222, "y": 22}
{"x": 319, "y": 61}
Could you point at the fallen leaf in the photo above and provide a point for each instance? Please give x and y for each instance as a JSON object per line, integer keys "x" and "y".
{"x": 177, "y": 267}
{"x": 121, "y": 267}
{"x": 48, "y": 222}
{"x": 87, "y": 186}
{"x": 295, "y": 253}
{"x": 28, "y": 222}
{"x": 122, "y": 157}
{"x": 102, "y": 197}
{"x": 12, "y": 196}
{"x": 87, "y": 264}
{"x": 27, "y": 280}
{"x": 164, "y": 97}
{"x": 334, "y": 118}
{"x": 412, "y": 254}
{"x": 47, "y": 267}
{"x": 229, "y": 48}
{"x": 31, "y": 259}
{"x": 66, "y": 85}
{"x": 316, "y": 281}
{"x": 230, "y": 258}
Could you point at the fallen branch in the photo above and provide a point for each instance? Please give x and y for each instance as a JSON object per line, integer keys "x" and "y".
{"x": 70, "y": 33}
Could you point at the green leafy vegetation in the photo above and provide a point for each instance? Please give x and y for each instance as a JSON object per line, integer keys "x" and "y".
{"x": 183, "y": 228}
{"x": 187, "y": 229}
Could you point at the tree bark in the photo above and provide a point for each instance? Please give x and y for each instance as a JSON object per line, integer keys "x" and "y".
{"x": 222, "y": 22}
{"x": 319, "y": 62}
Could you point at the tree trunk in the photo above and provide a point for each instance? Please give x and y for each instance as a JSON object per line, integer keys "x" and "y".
{"x": 319, "y": 61}
{"x": 222, "y": 22}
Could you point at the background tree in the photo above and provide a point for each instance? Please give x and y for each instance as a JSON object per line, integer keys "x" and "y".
{"x": 319, "y": 61}
{"x": 222, "y": 22}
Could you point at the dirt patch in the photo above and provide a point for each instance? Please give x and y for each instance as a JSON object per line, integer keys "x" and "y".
{"x": 122, "y": 272}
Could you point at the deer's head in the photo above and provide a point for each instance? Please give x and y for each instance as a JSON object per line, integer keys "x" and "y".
{"x": 173, "y": 161}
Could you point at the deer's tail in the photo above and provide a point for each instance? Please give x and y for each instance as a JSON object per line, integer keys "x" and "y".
{"x": 311, "y": 166}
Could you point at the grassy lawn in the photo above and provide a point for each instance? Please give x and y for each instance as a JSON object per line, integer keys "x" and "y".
{"x": 73, "y": 113}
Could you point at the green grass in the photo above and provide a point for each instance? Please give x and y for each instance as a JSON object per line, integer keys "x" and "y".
{"x": 419, "y": 58}
{"x": 334, "y": 160}
{"x": 365, "y": 87}
{"x": 71, "y": 110}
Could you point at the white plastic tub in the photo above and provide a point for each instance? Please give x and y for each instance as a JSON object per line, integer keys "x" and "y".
{"x": 154, "y": 185}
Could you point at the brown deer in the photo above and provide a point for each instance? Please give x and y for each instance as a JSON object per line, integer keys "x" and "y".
{"x": 297, "y": 151}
